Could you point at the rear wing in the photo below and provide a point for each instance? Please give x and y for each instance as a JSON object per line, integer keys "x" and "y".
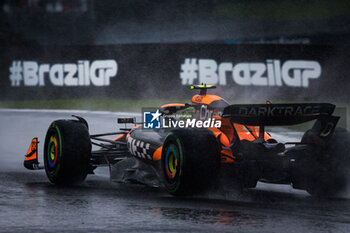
{"x": 277, "y": 114}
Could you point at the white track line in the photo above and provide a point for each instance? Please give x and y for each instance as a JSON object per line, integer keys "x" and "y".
{"x": 70, "y": 111}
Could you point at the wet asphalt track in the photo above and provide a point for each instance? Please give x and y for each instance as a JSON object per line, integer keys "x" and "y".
{"x": 29, "y": 203}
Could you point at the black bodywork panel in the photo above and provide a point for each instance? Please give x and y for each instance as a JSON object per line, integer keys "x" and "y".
{"x": 277, "y": 114}
{"x": 142, "y": 143}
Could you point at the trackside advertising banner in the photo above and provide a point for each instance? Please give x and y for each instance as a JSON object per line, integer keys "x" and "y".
{"x": 254, "y": 72}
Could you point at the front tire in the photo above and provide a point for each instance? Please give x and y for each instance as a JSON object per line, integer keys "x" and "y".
{"x": 67, "y": 152}
{"x": 190, "y": 161}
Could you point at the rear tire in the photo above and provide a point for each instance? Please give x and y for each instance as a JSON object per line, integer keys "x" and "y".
{"x": 190, "y": 161}
{"x": 331, "y": 178}
{"x": 67, "y": 152}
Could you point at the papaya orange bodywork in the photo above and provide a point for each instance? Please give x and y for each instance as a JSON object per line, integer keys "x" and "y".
{"x": 33, "y": 150}
{"x": 226, "y": 135}
{"x": 226, "y": 153}
{"x": 205, "y": 99}
{"x": 172, "y": 105}
{"x": 157, "y": 155}
{"x": 119, "y": 137}
{"x": 249, "y": 133}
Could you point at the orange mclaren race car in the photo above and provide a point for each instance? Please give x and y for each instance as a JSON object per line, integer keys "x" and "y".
{"x": 187, "y": 148}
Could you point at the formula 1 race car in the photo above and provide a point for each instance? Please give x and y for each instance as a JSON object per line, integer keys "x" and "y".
{"x": 203, "y": 141}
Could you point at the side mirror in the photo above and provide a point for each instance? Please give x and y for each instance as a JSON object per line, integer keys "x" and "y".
{"x": 127, "y": 120}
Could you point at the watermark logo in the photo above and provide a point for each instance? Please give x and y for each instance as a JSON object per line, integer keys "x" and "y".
{"x": 152, "y": 120}
{"x": 191, "y": 123}
{"x": 188, "y": 118}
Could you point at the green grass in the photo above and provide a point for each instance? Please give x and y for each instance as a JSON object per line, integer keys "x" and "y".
{"x": 135, "y": 105}
{"x": 129, "y": 105}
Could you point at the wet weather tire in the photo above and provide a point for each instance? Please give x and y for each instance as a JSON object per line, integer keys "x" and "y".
{"x": 67, "y": 152}
{"x": 190, "y": 161}
{"x": 332, "y": 177}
